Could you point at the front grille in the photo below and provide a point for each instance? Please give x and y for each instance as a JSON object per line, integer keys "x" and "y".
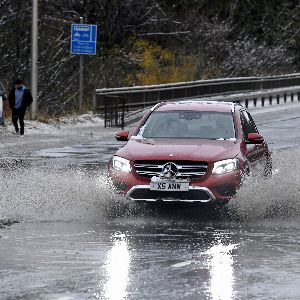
{"x": 186, "y": 169}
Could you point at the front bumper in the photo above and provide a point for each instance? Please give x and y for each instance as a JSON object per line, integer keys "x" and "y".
{"x": 195, "y": 194}
{"x": 208, "y": 188}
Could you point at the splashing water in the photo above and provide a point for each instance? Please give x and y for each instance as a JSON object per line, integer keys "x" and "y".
{"x": 53, "y": 194}
{"x": 278, "y": 196}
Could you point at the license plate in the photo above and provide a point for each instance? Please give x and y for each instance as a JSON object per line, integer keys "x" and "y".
{"x": 169, "y": 185}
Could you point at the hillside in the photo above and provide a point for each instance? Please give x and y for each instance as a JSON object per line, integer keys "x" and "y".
{"x": 147, "y": 42}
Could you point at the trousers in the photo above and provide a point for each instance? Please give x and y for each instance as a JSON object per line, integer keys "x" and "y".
{"x": 18, "y": 115}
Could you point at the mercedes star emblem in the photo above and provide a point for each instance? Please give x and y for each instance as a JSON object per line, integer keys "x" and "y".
{"x": 169, "y": 170}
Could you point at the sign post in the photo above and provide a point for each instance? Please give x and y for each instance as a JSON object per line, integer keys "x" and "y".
{"x": 83, "y": 42}
{"x": 34, "y": 58}
{"x": 80, "y": 78}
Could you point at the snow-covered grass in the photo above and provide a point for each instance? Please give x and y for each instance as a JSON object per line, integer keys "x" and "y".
{"x": 55, "y": 126}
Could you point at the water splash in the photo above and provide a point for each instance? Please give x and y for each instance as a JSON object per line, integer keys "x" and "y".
{"x": 278, "y": 196}
{"x": 53, "y": 194}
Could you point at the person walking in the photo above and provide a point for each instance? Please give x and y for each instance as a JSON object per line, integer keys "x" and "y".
{"x": 2, "y": 99}
{"x": 19, "y": 99}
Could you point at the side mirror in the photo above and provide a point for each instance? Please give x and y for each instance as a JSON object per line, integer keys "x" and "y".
{"x": 255, "y": 138}
{"x": 122, "y": 136}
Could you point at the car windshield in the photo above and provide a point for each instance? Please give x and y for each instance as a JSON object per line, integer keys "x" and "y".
{"x": 189, "y": 124}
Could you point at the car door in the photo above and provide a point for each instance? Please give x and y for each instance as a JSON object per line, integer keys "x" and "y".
{"x": 255, "y": 153}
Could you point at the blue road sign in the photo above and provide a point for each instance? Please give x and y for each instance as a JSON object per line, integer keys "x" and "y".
{"x": 83, "y": 39}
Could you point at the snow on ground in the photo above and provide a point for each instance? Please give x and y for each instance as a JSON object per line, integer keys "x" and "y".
{"x": 86, "y": 128}
{"x": 55, "y": 126}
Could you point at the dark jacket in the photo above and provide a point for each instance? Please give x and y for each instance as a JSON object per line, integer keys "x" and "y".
{"x": 26, "y": 101}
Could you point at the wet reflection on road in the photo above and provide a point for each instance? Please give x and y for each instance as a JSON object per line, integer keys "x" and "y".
{"x": 221, "y": 266}
{"x": 117, "y": 268}
{"x": 147, "y": 257}
{"x": 97, "y": 153}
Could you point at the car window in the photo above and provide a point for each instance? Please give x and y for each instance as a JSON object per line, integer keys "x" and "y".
{"x": 189, "y": 124}
{"x": 248, "y": 124}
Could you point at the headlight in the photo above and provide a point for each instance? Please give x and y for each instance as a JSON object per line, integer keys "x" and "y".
{"x": 121, "y": 164}
{"x": 224, "y": 166}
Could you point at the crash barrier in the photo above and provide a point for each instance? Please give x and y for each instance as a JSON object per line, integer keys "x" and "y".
{"x": 251, "y": 100}
{"x": 120, "y": 106}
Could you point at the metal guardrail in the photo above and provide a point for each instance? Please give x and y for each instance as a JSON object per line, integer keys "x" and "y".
{"x": 117, "y": 103}
{"x": 253, "y": 99}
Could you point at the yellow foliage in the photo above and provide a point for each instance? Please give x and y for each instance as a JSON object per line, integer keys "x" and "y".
{"x": 159, "y": 65}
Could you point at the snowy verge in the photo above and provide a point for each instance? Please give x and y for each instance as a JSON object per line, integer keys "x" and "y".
{"x": 56, "y": 126}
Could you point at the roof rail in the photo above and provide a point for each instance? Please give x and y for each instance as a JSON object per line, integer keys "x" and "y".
{"x": 157, "y": 106}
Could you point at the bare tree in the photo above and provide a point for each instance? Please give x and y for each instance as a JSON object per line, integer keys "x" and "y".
{"x": 226, "y": 38}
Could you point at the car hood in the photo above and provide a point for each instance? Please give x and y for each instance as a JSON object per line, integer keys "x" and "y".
{"x": 178, "y": 149}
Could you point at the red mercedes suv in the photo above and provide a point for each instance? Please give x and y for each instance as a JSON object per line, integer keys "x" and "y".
{"x": 192, "y": 151}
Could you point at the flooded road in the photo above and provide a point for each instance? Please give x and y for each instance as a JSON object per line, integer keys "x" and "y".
{"x": 152, "y": 258}
{"x": 77, "y": 240}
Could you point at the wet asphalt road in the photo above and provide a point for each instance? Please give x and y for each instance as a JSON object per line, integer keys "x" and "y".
{"x": 77, "y": 240}
{"x": 157, "y": 258}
